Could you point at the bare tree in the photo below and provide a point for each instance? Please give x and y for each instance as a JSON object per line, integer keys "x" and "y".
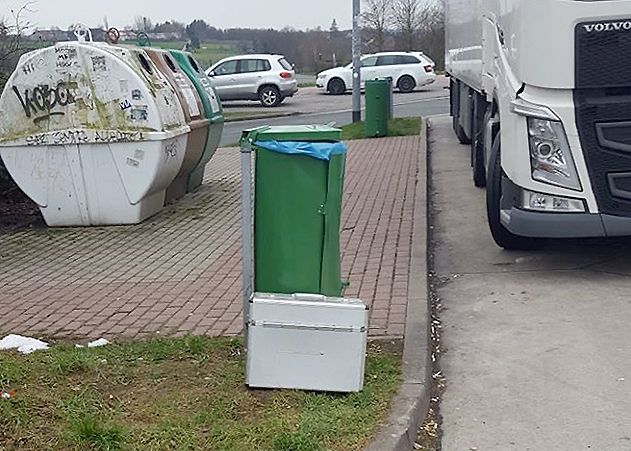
{"x": 407, "y": 20}
{"x": 12, "y": 32}
{"x": 432, "y": 32}
{"x": 143, "y": 24}
{"x": 377, "y": 19}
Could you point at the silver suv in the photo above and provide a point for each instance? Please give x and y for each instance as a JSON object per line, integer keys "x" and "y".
{"x": 267, "y": 78}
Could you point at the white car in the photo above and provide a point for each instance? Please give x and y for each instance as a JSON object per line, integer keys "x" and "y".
{"x": 408, "y": 70}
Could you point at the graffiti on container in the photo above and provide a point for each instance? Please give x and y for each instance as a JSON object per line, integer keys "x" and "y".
{"x": 40, "y": 139}
{"x": 171, "y": 149}
{"x": 139, "y": 114}
{"x": 28, "y": 68}
{"x": 125, "y": 104}
{"x": 117, "y": 136}
{"x": 133, "y": 163}
{"x": 99, "y": 64}
{"x": 43, "y": 98}
{"x": 31, "y": 66}
{"x": 70, "y": 137}
{"x": 66, "y": 57}
{"x": 58, "y": 138}
{"x": 136, "y": 94}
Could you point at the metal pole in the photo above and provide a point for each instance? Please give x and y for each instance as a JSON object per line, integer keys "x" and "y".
{"x": 357, "y": 51}
{"x": 246, "y": 234}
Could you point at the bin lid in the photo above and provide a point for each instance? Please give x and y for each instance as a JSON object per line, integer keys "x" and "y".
{"x": 308, "y": 133}
{"x": 320, "y": 150}
{"x": 379, "y": 81}
{"x": 76, "y": 92}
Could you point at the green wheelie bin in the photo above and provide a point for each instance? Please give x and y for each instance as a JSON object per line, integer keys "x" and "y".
{"x": 212, "y": 110}
{"x": 378, "y": 94}
{"x": 298, "y": 185}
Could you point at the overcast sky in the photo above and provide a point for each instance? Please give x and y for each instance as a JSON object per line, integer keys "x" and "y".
{"x": 299, "y": 14}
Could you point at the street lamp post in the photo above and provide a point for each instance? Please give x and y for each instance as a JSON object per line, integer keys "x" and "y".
{"x": 357, "y": 50}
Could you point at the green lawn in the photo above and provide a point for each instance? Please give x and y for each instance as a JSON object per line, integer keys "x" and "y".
{"x": 396, "y": 127}
{"x": 209, "y": 52}
{"x": 179, "y": 394}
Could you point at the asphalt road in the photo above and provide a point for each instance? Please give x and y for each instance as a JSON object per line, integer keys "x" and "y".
{"x": 338, "y": 109}
{"x": 421, "y": 107}
{"x": 535, "y": 344}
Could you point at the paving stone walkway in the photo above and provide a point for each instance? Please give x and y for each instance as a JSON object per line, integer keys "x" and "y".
{"x": 180, "y": 271}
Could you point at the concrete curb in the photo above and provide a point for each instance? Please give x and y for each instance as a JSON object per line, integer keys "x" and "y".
{"x": 255, "y": 117}
{"x": 413, "y": 399}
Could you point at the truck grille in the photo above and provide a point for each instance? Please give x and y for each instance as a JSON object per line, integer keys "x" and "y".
{"x": 603, "y": 110}
{"x": 603, "y": 52}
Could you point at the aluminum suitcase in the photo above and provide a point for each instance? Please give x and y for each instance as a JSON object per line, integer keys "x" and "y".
{"x": 308, "y": 342}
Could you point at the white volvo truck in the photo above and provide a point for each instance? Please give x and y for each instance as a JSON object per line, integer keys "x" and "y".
{"x": 541, "y": 90}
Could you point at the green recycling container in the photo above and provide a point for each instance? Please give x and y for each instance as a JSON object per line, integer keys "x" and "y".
{"x": 297, "y": 210}
{"x": 212, "y": 110}
{"x": 378, "y": 94}
{"x": 390, "y": 97}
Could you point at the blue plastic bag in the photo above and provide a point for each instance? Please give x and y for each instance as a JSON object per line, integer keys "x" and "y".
{"x": 319, "y": 150}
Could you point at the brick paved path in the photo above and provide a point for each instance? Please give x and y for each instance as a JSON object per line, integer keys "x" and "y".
{"x": 179, "y": 272}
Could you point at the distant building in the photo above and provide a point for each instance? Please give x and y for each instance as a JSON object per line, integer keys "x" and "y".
{"x": 49, "y": 35}
{"x": 100, "y": 35}
{"x": 62, "y": 35}
{"x": 173, "y": 36}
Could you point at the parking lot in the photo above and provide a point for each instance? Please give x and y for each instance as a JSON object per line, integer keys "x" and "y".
{"x": 535, "y": 344}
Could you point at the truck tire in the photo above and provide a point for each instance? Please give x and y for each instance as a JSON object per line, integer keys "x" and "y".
{"x": 502, "y": 237}
{"x": 478, "y": 163}
{"x": 477, "y": 160}
{"x": 460, "y": 133}
{"x": 462, "y": 136}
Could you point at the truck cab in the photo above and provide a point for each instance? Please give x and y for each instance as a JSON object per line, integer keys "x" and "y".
{"x": 541, "y": 91}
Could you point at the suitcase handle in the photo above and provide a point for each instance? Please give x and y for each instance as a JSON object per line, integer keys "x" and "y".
{"x": 309, "y": 297}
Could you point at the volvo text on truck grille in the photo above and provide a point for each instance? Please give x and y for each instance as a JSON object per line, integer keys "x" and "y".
{"x": 541, "y": 90}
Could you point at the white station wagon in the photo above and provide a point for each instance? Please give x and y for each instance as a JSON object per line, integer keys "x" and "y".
{"x": 408, "y": 70}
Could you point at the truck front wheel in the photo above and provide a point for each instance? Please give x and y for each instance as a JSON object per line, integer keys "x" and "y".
{"x": 501, "y": 235}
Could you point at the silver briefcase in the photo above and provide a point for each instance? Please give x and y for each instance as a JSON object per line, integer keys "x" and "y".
{"x": 308, "y": 342}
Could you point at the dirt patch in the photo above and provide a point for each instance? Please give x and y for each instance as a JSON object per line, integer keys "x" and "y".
{"x": 17, "y": 210}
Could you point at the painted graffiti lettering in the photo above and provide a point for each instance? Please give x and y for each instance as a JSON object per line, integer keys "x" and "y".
{"x": 40, "y": 139}
{"x": 117, "y": 136}
{"x": 66, "y": 57}
{"x": 69, "y": 137}
{"x": 64, "y": 137}
{"x": 125, "y": 105}
{"x": 171, "y": 149}
{"x": 28, "y": 68}
{"x": 43, "y": 98}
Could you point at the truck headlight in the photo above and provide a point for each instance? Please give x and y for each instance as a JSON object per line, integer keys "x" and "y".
{"x": 551, "y": 158}
{"x": 550, "y": 155}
